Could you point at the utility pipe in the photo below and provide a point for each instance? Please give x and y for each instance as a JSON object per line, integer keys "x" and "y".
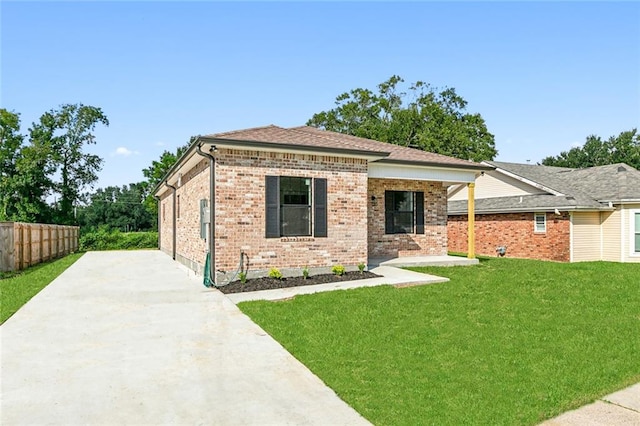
{"x": 212, "y": 209}
{"x": 173, "y": 188}
{"x": 159, "y": 222}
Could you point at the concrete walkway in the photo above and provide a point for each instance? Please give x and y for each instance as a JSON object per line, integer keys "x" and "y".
{"x": 130, "y": 338}
{"x": 618, "y": 409}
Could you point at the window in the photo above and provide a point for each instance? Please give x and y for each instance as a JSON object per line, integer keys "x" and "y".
{"x": 540, "y": 222}
{"x": 295, "y": 206}
{"x": 636, "y": 230}
{"x": 404, "y": 212}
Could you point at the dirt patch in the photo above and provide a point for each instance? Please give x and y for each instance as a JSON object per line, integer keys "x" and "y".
{"x": 256, "y": 284}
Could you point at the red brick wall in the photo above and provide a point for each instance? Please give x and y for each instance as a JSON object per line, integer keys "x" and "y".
{"x": 432, "y": 242}
{"x": 515, "y": 231}
{"x": 240, "y": 212}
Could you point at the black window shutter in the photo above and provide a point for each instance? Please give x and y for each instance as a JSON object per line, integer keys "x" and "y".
{"x": 388, "y": 212}
{"x": 320, "y": 207}
{"x": 272, "y": 209}
{"x": 419, "y": 212}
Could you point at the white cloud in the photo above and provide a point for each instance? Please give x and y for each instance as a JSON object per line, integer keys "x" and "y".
{"x": 125, "y": 152}
{"x": 576, "y": 144}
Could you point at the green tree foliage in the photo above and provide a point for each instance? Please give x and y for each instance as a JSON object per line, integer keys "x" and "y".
{"x": 52, "y": 163}
{"x": 10, "y": 143}
{"x": 624, "y": 148}
{"x": 423, "y": 117}
{"x": 24, "y": 177}
{"x": 68, "y": 131}
{"x": 157, "y": 171}
{"x": 119, "y": 208}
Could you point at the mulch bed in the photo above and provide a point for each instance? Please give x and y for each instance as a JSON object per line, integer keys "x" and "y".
{"x": 256, "y": 284}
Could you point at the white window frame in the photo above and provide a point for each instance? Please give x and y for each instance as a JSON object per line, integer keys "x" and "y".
{"x": 535, "y": 223}
{"x": 632, "y": 232}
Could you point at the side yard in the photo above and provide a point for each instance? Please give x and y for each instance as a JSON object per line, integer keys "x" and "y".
{"x": 17, "y": 288}
{"x": 507, "y": 342}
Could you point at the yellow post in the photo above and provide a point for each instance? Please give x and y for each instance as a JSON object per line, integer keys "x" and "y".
{"x": 471, "y": 222}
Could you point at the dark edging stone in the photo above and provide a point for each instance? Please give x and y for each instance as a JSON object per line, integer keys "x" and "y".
{"x": 256, "y": 284}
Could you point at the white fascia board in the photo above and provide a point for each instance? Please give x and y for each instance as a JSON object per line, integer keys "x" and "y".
{"x": 413, "y": 172}
{"x": 527, "y": 181}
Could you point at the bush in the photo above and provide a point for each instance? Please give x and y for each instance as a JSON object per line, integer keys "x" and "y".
{"x": 361, "y": 267}
{"x": 275, "y": 273}
{"x": 338, "y": 270}
{"x": 104, "y": 239}
{"x": 305, "y": 272}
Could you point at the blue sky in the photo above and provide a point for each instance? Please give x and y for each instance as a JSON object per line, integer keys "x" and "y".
{"x": 544, "y": 75}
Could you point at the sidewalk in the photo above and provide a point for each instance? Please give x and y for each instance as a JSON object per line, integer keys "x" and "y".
{"x": 621, "y": 408}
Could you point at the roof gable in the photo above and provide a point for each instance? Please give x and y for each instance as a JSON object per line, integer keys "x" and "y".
{"x": 590, "y": 188}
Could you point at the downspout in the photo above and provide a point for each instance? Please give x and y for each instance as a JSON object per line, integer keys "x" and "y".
{"x": 159, "y": 222}
{"x": 173, "y": 188}
{"x": 212, "y": 210}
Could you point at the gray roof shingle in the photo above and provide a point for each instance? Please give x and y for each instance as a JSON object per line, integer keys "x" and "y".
{"x": 310, "y": 137}
{"x": 588, "y": 189}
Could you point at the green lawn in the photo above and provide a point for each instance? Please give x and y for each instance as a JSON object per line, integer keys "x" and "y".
{"x": 18, "y": 288}
{"x": 508, "y": 342}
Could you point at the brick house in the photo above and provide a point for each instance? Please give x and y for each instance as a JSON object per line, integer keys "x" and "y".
{"x": 301, "y": 197}
{"x": 551, "y": 213}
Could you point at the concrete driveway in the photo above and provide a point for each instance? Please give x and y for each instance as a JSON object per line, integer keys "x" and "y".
{"x": 130, "y": 338}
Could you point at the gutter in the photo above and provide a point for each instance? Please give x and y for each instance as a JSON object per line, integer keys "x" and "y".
{"x": 173, "y": 188}
{"x": 533, "y": 209}
{"x": 159, "y": 223}
{"x": 212, "y": 209}
{"x": 480, "y": 167}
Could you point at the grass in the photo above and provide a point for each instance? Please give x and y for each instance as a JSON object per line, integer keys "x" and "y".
{"x": 17, "y": 288}
{"x": 509, "y": 341}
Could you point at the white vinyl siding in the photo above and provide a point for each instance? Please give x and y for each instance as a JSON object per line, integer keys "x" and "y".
{"x": 585, "y": 242}
{"x": 494, "y": 184}
{"x": 611, "y": 238}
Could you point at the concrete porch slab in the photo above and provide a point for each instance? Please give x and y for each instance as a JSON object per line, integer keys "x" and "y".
{"x": 423, "y": 261}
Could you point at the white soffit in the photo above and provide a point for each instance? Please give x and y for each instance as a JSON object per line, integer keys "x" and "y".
{"x": 411, "y": 172}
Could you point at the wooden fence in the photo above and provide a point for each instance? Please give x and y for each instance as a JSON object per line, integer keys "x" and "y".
{"x": 26, "y": 244}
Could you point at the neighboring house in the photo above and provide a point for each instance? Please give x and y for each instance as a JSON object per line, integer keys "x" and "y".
{"x": 551, "y": 213}
{"x": 302, "y": 197}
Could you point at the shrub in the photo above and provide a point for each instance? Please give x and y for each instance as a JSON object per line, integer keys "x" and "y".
{"x": 338, "y": 270}
{"x": 275, "y": 273}
{"x": 105, "y": 239}
{"x": 305, "y": 272}
{"x": 243, "y": 277}
{"x": 361, "y": 267}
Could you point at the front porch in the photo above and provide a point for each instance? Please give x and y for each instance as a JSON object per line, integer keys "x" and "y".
{"x": 406, "y": 261}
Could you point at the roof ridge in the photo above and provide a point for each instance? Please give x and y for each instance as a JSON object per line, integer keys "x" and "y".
{"x": 245, "y": 130}
{"x": 330, "y": 134}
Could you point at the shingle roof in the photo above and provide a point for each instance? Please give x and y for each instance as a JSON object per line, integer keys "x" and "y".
{"x": 310, "y": 137}
{"x": 588, "y": 188}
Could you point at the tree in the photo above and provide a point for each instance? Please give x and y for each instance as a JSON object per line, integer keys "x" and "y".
{"x": 117, "y": 208}
{"x": 67, "y": 131}
{"x": 423, "y": 118}
{"x": 24, "y": 174}
{"x": 10, "y": 143}
{"x": 624, "y": 148}
{"x": 54, "y": 150}
{"x": 157, "y": 171}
